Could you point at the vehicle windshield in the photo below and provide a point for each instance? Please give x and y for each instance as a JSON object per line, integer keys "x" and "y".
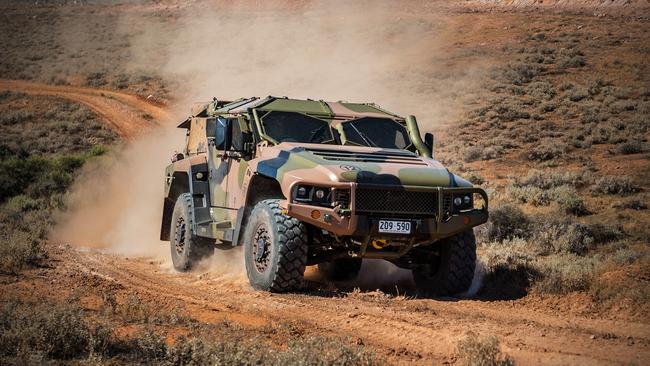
{"x": 296, "y": 127}
{"x": 376, "y": 132}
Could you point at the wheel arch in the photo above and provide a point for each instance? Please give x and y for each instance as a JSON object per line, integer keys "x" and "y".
{"x": 180, "y": 184}
{"x": 260, "y": 187}
{"x": 181, "y": 177}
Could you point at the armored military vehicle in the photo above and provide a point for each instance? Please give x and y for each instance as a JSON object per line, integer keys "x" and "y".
{"x": 306, "y": 182}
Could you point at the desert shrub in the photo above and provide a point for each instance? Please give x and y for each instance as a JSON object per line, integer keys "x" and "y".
{"x": 475, "y": 351}
{"x": 323, "y": 351}
{"x": 632, "y": 204}
{"x": 148, "y": 345}
{"x": 96, "y": 79}
{"x": 615, "y": 185}
{"x": 14, "y": 117}
{"x": 570, "y": 58}
{"x": 621, "y": 106}
{"x": 202, "y": 349}
{"x": 506, "y": 222}
{"x": 49, "y": 332}
{"x": 508, "y": 273}
{"x": 547, "y": 107}
{"x": 529, "y": 194}
{"x": 569, "y": 200}
{"x": 134, "y": 310}
{"x": 39, "y": 176}
{"x": 569, "y": 62}
{"x": 20, "y": 249}
{"x": 521, "y": 73}
{"x": 541, "y": 90}
{"x": 510, "y": 112}
{"x": 566, "y": 86}
{"x": 577, "y": 94}
{"x": 546, "y": 179}
{"x": 562, "y": 274}
{"x": 595, "y": 86}
{"x": 577, "y": 238}
{"x": 630, "y": 147}
{"x": 474, "y": 153}
{"x": 546, "y": 150}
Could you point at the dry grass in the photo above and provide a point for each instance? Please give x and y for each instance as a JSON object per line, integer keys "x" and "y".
{"x": 55, "y": 332}
{"x": 486, "y": 351}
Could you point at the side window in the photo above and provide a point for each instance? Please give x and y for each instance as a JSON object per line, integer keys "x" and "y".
{"x": 220, "y": 133}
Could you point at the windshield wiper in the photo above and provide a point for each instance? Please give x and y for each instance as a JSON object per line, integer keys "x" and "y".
{"x": 364, "y": 136}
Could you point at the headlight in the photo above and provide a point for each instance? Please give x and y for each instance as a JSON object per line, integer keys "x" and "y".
{"x": 311, "y": 195}
{"x": 463, "y": 202}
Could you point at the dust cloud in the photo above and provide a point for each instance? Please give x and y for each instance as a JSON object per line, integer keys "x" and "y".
{"x": 354, "y": 51}
{"x": 116, "y": 202}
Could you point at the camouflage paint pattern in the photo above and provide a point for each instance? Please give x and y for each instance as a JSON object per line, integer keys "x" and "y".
{"x": 326, "y": 165}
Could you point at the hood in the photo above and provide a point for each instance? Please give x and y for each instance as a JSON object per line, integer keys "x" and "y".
{"x": 288, "y": 162}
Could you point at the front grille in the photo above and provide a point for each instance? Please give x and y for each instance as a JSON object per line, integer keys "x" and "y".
{"x": 395, "y": 201}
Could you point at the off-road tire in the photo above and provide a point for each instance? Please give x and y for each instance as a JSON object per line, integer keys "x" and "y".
{"x": 280, "y": 265}
{"x": 342, "y": 269}
{"x": 186, "y": 248}
{"x": 453, "y": 270}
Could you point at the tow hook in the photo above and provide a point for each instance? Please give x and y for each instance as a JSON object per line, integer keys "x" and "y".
{"x": 379, "y": 244}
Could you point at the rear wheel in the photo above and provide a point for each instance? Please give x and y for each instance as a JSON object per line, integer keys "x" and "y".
{"x": 342, "y": 269}
{"x": 186, "y": 248}
{"x": 452, "y": 270}
{"x": 275, "y": 248}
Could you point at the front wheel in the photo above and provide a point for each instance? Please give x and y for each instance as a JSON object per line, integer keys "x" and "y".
{"x": 186, "y": 248}
{"x": 275, "y": 248}
{"x": 452, "y": 270}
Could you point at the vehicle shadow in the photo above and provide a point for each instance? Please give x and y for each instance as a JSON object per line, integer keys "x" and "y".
{"x": 383, "y": 279}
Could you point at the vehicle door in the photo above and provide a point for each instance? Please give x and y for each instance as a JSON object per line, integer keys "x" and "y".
{"x": 218, "y": 165}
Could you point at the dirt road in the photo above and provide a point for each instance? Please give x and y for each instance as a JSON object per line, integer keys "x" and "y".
{"x": 128, "y": 114}
{"x": 401, "y": 328}
{"x": 404, "y": 329}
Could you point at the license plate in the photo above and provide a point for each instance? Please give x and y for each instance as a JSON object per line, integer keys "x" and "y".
{"x": 394, "y": 227}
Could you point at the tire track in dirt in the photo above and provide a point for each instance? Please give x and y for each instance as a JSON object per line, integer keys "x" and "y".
{"x": 128, "y": 114}
{"x": 408, "y": 329}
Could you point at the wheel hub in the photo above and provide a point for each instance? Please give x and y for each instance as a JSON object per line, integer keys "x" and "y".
{"x": 179, "y": 236}
{"x": 261, "y": 248}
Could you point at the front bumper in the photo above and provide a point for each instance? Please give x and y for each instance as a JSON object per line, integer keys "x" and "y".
{"x": 438, "y": 224}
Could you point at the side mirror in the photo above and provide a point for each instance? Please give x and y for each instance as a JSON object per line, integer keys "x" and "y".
{"x": 428, "y": 141}
{"x": 177, "y": 156}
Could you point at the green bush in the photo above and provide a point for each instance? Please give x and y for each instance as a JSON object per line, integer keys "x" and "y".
{"x": 39, "y": 176}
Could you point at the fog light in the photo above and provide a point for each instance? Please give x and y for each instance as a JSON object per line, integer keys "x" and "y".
{"x": 457, "y": 201}
{"x": 315, "y": 214}
{"x": 320, "y": 194}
